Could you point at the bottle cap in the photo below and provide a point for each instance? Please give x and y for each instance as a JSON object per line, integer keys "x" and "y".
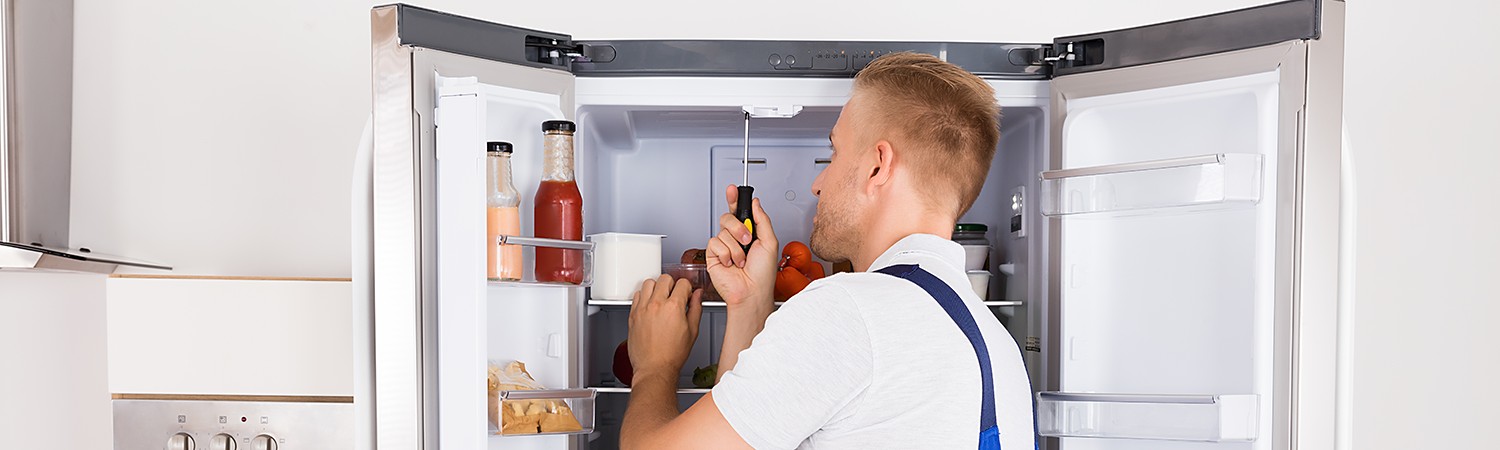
{"x": 497, "y": 146}
{"x": 970, "y": 227}
{"x": 559, "y": 125}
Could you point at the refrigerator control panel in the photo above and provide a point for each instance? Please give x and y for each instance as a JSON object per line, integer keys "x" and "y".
{"x": 181, "y": 424}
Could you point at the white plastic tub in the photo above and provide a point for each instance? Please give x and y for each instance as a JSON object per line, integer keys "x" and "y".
{"x": 980, "y": 279}
{"x": 622, "y": 261}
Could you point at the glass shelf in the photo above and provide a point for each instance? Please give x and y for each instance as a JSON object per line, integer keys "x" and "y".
{"x": 541, "y": 412}
{"x": 626, "y": 303}
{"x": 1203, "y": 418}
{"x": 1219, "y": 179}
{"x": 587, "y": 247}
{"x": 626, "y": 390}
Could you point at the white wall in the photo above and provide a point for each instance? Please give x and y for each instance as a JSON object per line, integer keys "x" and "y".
{"x": 53, "y": 384}
{"x": 1426, "y": 156}
{"x": 218, "y": 139}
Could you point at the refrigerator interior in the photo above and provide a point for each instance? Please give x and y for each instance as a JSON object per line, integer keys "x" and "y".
{"x": 1169, "y": 321}
{"x": 654, "y": 156}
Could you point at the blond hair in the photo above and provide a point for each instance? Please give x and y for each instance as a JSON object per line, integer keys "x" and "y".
{"x": 945, "y": 115}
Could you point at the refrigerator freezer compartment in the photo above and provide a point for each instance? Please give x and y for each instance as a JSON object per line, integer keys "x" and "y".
{"x": 541, "y": 412}
{"x": 1203, "y": 418}
{"x": 586, "y": 248}
{"x": 1225, "y": 179}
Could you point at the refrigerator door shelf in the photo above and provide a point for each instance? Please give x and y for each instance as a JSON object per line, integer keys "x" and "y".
{"x": 1225, "y": 179}
{"x": 1203, "y": 418}
{"x": 626, "y": 390}
{"x": 586, "y": 247}
{"x": 580, "y": 402}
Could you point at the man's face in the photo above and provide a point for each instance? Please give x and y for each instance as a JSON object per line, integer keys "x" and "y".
{"x": 836, "y": 225}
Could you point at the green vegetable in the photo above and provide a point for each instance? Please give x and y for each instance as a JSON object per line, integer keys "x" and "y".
{"x": 704, "y": 377}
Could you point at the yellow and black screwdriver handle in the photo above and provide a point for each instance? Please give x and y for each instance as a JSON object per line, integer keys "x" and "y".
{"x": 742, "y": 212}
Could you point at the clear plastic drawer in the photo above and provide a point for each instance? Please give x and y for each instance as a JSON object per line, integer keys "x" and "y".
{"x": 542, "y": 412}
{"x": 1209, "y": 418}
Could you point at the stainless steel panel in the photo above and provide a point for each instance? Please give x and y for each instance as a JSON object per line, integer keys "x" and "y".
{"x": 5, "y": 123}
{"x": 39, "y": 112}
{"x": 1198, "y": 36}
{"x": 1319, "y": 224}
{"x": 149, "y": 424}
{"x": 398, "y": 401}
{"x": 404, "y": 297}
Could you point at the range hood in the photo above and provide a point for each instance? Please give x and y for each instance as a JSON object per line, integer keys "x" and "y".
{"x": 36, "y": 114}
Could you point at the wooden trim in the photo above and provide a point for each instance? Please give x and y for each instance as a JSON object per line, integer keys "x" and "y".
{"x": 237, "y": 398}
{"x": 222, "y": 277}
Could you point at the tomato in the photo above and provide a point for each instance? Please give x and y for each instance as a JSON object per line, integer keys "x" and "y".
{"x": 622, "y": 368}
{"x": 789, "y": 282}
{"x": 798, "y": 253}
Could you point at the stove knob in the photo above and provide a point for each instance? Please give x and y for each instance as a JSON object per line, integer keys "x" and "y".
{"x": 181, "y": 441}
{"x": 222, "y": 441}
{"x": 263, "y": 442}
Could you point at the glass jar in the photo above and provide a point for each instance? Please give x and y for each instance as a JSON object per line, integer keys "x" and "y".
{"x": 503, "y": 213}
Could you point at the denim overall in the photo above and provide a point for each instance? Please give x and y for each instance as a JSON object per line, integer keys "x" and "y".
{"x": 989, "y": 432}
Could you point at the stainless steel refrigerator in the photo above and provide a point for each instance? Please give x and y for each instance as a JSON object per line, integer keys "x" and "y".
{"x": 1163, "y": 212}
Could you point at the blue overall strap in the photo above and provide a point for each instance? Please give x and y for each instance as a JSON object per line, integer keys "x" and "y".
{"x": 989, "y": 432}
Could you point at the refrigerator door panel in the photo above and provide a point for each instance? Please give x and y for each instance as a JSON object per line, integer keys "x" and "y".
{"x": 1177, "y": 207}
{"x": 1165, "y": 266}
{"x": 481, "y": 322}
{"x": 428, "y": 238}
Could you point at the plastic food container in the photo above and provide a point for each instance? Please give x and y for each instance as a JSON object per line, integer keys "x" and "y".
{"x": 541, "y": 412}
{"x": 974, "y": 256}
{"x": 622, "y": 261}
{"x": 697, "y": 275}
{"x": 980, "y": 279}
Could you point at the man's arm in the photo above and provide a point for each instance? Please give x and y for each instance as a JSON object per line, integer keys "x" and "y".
{"x": 652, "y": 422}
{"x": 661, "y": 337}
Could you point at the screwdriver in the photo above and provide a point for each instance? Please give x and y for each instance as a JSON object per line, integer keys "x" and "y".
{"x": 746, "y": 193}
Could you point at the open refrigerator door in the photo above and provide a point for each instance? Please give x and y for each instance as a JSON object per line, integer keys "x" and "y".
{"x": 1175, "y": 204}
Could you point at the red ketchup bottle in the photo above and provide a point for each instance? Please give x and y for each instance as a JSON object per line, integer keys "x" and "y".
{"x": 559, "y": 206}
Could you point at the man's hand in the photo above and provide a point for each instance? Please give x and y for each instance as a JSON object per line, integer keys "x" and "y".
{"x": 663, "y": 325}
{"x": 743, "y": 279}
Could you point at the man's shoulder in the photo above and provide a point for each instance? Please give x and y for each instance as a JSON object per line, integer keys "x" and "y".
{"x": 848, "y": 291}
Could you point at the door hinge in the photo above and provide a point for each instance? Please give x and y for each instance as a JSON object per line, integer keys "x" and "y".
{"x": 565, "y": 53}
{"x": 1052, "y": 54}
{"x": 1072, "y": 54}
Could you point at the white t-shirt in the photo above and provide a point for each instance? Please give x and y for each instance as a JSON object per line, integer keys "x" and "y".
{"x": 868, "y": 360}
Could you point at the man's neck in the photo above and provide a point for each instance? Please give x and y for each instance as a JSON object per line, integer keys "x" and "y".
{"x": 887, "y": 231}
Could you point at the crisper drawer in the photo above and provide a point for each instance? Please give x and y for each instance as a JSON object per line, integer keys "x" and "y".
{"x": 542, "y": 412}
{"x": 1205, "y": 418}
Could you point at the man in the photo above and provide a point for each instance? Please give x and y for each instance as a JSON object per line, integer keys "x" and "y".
{"x": 856, "y": 360}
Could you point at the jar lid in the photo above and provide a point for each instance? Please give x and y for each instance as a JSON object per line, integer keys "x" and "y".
{"x": 498, "y": 147}
{"x": 970, "y": 227}
{"x": 559, "y": 125}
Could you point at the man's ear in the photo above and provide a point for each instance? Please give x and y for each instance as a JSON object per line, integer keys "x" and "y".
{"x": 880, "y": 171}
